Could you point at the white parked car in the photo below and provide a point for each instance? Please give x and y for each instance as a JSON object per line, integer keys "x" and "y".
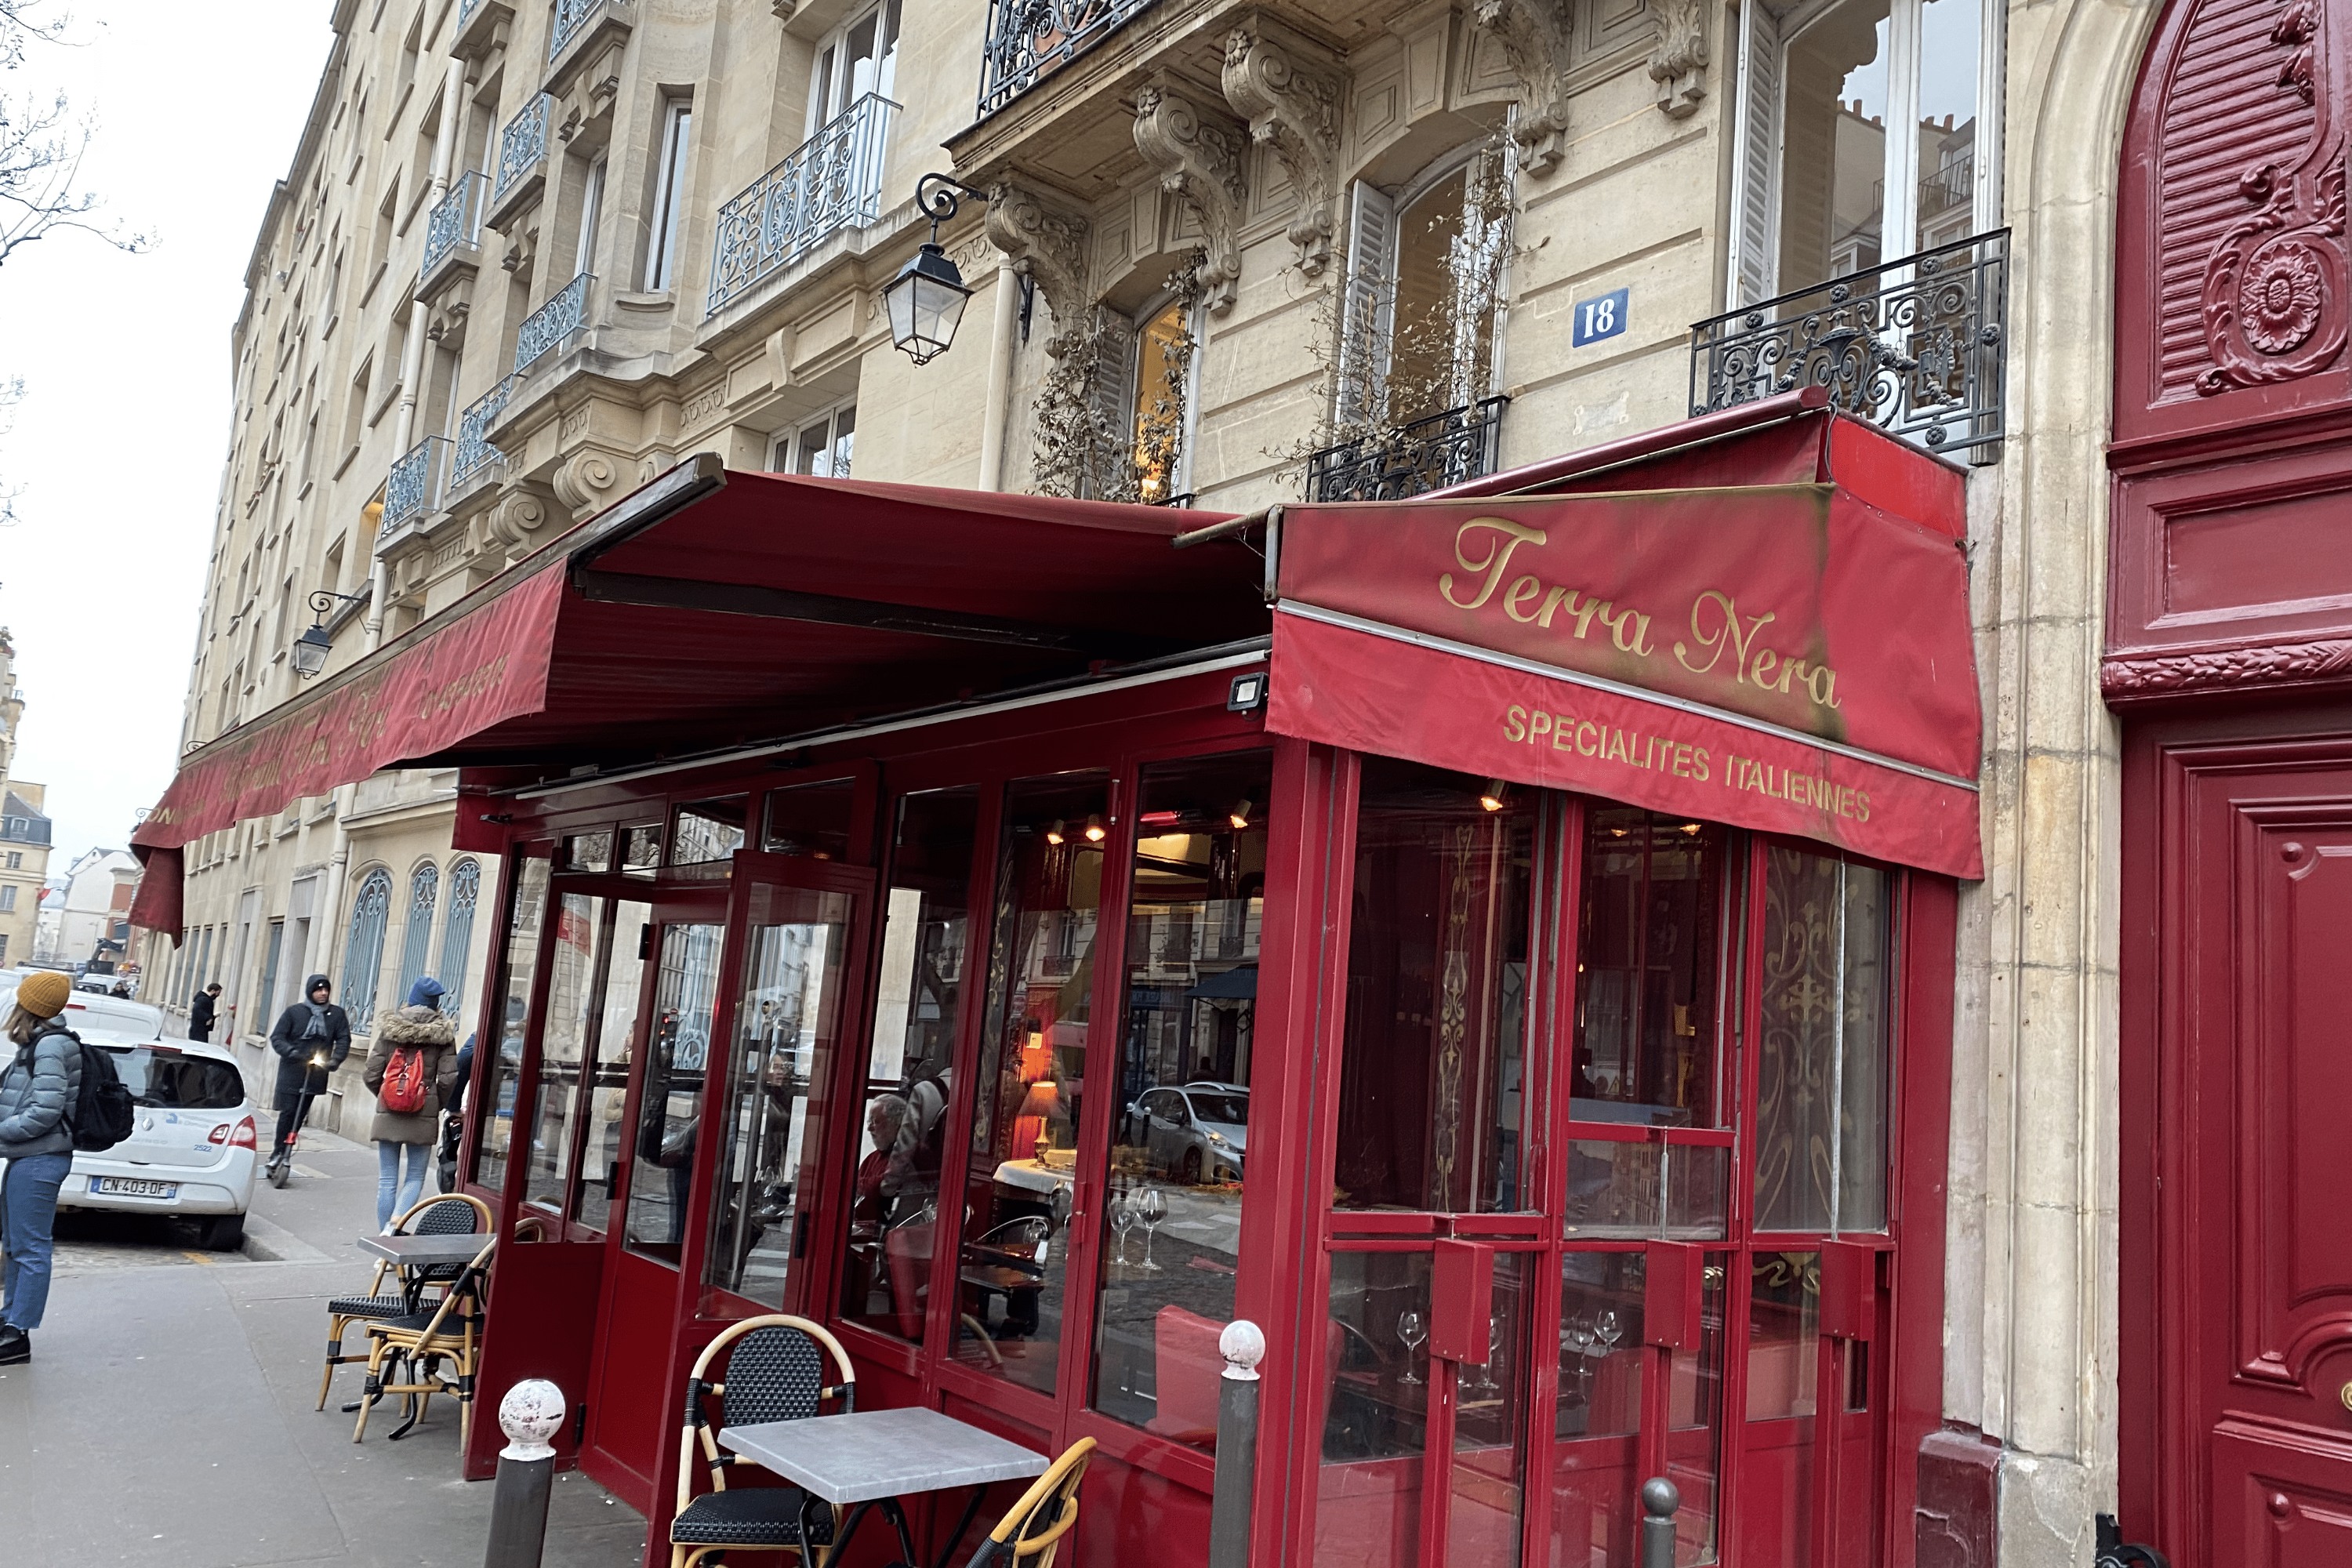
{"x": 195, "y": 1139}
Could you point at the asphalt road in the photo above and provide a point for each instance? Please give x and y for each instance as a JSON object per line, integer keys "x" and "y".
{"x": 166, "y": 1418}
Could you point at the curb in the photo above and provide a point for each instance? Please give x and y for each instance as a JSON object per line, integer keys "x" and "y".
{"x": 267, "y": 1243}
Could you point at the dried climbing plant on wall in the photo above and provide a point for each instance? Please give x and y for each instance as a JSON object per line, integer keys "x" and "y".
{"x": 1092, "y": 440}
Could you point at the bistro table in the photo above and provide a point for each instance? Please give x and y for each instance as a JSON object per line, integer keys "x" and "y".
{"x": 425, "y": 1251}
{"x": 871, "y": 1459}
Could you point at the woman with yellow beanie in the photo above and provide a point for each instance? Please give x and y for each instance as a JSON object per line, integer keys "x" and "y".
{"x": 38, "y": 1088}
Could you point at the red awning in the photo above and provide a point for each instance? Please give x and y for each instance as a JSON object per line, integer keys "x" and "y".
{"x": 712, "y": 609}
{"x": 1793, "y": 657}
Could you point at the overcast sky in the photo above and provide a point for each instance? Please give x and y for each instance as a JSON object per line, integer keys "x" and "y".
{"x": 116, "y": 450}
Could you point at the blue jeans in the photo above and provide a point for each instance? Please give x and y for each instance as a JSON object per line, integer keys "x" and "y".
{"x": 28, "y": 1206}
{"x": 388, "y": 1179}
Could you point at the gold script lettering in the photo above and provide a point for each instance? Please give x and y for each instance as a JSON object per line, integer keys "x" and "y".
{"x": 1498, "y": 557}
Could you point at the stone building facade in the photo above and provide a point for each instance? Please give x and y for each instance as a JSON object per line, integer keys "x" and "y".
{"x": 24, "y": 827}
{"x": 526, "y": 257}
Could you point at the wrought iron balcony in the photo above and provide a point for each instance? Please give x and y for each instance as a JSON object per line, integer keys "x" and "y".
{"x": 571, "y": 16}
{"x": 1029, "y": 39}
{"x": 1441, "y": 449}
{"x": 413, "y": 488}
{"x": 522, "y": 147}
{"x": 832, "y": 181}
{"x": 475, "y": 452}
{"x": 1917, "y": 347}
{"x": 456, "y": 220}
{"x": 565, "y": 313}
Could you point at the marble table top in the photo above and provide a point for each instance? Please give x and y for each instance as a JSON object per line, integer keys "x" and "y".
{"x": 420, "y": 1251}
{"x": 871, "y": 1454}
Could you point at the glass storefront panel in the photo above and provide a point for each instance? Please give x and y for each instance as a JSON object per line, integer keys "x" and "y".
{"x": 1013, "y": 1275}
{"x": 707, "y": 830}
{"x": 1375, "y": 1413}
{"x": 811, "y": 819}
{"x": 1695, "y": 1420}
{"x": 1180, "y": 1140}
{"x": 795, "y": 944}
{"x": 496, "y": 1069}
{"x": 917, "y": 1014}
{"x": 1432, "y": 1083}
{"x": 573, "y": 973}
{"x": 685, "y": 993}
{"x": 1598, "y": 1418}
{"x": 607, "y": 1073}
{"x": 1648, "y": 956}
{"x": 1490, "y": 1420}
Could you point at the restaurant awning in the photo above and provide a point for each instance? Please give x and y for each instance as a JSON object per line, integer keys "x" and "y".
{"x": 711, "y": 609}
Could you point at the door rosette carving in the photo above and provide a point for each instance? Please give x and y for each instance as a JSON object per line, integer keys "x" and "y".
{"x": 2277, "y": 284}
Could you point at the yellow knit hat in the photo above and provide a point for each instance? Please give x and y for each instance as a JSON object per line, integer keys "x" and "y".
{"x": 45, "y": 995}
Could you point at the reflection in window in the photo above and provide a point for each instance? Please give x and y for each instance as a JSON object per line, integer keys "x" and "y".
{"x": 588, "y": 851}
{"x": 1180, "y": 1138}
{"x": 565, "y": 1038}
{"x": 640, "y": 848}
{"x": 607, "y": 1068}
{"x": 1431, "y": 1087}
{"x": 811, "y": 819}
{"x": 918, "y": 1012}
{"x": 495, "y": 1069}
{"x": 1784, "y": 1303}
{"x": 1820, "y": 1094}
{"x": 1834, "y": 144}
{"x": 1599, "y": 1415}
{"x": 1646, "y": 1040}
{"x": 1376, "y": 1410}
{"x": 1032, "y": 1074}
{"x": 1489, "y": 1481}
{"x": 707, "y": 830}
{"x": 1163, "y": 360}
{"x": 670, "y": 1113}
{"x": 794, "y": 946}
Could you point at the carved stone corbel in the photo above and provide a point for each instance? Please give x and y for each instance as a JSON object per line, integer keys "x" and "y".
{"x": 1199, "y": 156}
{"x": 1678, "y": 60}
{"x": 523, "y": 511}
{"x": 1047, "y": 245}
{"x": 586, "y": 481}
{"x": 1535, "y": 35}
{"x": 1293, "y": 107}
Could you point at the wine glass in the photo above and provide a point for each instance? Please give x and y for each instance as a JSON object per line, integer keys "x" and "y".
{"x": 1608, "y": 1329}
{"x": 1153, "y": 1210}
{"x": 1411, "y": 1329}
{"x": 1122, "y": 1220}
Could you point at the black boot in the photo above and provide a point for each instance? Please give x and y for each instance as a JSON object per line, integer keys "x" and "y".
{"x": 16, "y": 1345}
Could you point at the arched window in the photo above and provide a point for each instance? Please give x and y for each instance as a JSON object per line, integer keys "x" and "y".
{"x": 417, "y": 943}
{"x": 364, "y": 954}
{"x": 458, "y": 932}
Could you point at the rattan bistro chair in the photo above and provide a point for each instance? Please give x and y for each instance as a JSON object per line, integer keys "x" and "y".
{"x": 775, "y": 1372}
{"x": 437, "y": 1352}
{"x": 448, "y": 1214}
{"x": 1030, "y": 1531}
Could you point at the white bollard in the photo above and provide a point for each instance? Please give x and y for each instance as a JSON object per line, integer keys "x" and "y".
{"x": 529, "y": 1414}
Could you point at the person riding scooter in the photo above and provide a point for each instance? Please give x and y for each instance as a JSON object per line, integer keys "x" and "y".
{"x": 311, "y": 1040}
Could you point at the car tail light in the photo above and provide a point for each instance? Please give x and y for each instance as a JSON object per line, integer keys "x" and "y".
{"x": 238, "y": 1136}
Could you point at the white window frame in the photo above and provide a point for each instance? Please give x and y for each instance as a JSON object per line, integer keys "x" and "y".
{"x": 592, "y": 214}
{"x": 669, "y": 193}
{"x": 783, "y": 447}
{"x": 833, "y": 71}
{"x": 1130, "y": 387}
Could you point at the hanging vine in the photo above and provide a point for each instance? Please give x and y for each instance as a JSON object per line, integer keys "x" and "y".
{"x": 1087, "y": 443}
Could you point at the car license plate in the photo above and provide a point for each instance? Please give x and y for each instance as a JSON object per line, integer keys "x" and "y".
{"x": 135, "y": 1188}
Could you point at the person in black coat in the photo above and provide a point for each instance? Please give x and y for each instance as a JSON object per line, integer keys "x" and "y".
{"x": 305, "y": 1033}
{"x": 203, "y": 1011}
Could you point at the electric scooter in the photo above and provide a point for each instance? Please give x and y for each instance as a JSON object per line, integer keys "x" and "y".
{"x": 314, "y": 1084}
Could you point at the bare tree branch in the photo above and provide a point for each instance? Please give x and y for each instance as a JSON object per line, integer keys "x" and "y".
{"x": 42, "y": 145}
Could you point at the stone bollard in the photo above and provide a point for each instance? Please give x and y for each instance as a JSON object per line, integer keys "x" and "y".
{"x": 528, "y": 1416}
{"x": 1242, "y": 1345}
{"x": 1659, "y": 1501}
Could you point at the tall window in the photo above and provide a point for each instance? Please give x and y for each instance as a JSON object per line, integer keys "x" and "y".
{"x": 457, "y": 932}
{"x": 669, "y": 193}
{"x": 591, "y": 213}
{"x": 1424, "y": 287}
{"x": 364, "y": 955}
{"x": 1824, "y": 189}
{"x": 860, "y": 58}
{"x": 1160, "y": 399}
{"x": 417, "y": 942}
{"x": 821, "y": 446}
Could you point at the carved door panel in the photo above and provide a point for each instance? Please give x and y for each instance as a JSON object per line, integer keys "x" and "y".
{"x": 2265, "y": 1243}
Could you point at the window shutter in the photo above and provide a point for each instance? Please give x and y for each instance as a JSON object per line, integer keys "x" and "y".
{"x": 1755, "y": 196}
{"x": 1367, "y": 303}
{"x": 1110, "y": 402}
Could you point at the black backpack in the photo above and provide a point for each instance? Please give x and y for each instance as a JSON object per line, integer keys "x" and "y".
{"x": 102, "y": 1111}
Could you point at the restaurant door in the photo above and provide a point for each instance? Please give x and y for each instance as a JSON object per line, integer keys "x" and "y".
{"x": 747, "y": 990}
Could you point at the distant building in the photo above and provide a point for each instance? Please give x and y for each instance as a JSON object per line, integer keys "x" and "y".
{"x": 94, "y": 919}
{"x": 24, "y": 827}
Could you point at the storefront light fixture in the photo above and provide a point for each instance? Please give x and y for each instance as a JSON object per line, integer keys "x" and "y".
{"x": 926, "y": 298}
{"x": 1495, "y": 795}
{"x": 1240, "y": 814}
{"x": 310, "y": 650}
{"x": 1094, "y": 830}
{"x": 1055, "y": 834}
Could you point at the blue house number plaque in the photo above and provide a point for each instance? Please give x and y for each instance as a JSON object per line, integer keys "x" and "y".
{"x": 1599, "y": 319}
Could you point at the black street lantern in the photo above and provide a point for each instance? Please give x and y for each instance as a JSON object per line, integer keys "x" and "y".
{"x": 310, "y": 650}
{"x": 926, "y": 300}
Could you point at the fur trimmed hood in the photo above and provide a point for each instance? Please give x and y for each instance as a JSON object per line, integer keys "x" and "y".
{"x": 415, "y": 1026}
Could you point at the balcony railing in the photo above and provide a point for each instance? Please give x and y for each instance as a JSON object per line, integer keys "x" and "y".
{"x": 832, "y": 181}
{"x": 1441, "y": 449}
{"x": 565, "y": 313}
{"x": 1917, "y": 347}
{"x": 413, "y": 488}
{"x": 1029, "y": 39}
{"x": 523, "y": 146}
{"x": 456, "y": 220}
{"x": 475, "y": 452}
{"x": 570, "y": 15}
{"x": 1952, "y": 185}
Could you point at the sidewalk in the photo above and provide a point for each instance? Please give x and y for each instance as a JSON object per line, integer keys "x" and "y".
{"x": 166, "y": 1418}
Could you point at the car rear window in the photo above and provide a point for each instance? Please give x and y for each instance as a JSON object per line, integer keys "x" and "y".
{"x": 170, "y": 1081}
{"x": 1232, "y": 1110}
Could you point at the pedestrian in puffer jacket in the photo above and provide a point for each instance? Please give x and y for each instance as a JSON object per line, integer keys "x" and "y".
{"x": 38, "y": 1090}
{"x": 408, "y": 1136}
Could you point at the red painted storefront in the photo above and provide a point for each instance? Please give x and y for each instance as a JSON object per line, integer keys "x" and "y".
{"x": 1566, "y": 1100}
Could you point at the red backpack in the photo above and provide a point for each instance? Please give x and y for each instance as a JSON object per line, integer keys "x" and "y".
{"x": 405, "y": 1086}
